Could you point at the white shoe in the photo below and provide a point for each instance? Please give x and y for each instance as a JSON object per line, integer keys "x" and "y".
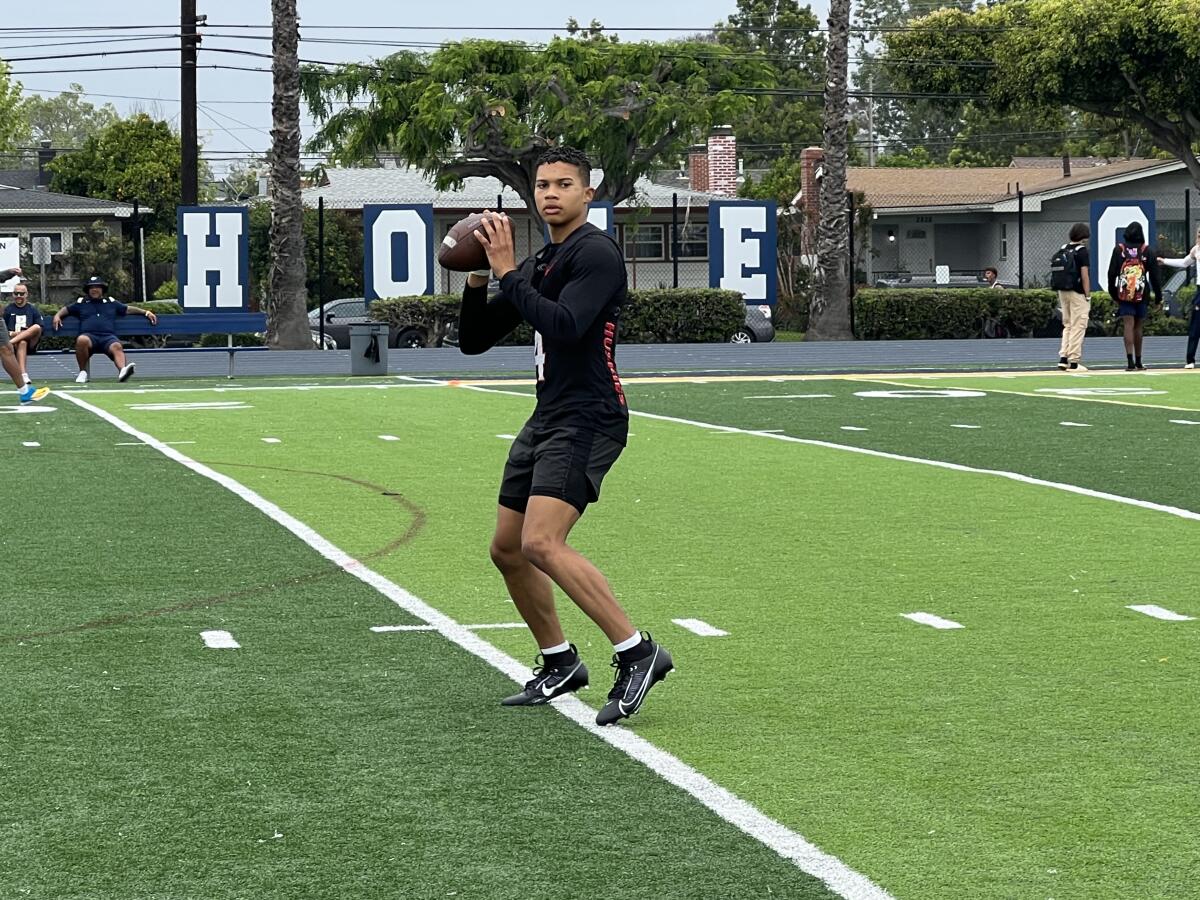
{"x": 82, "y": 377}
{"x": 1185, "y": 365}
{"x": 126, "y": 372}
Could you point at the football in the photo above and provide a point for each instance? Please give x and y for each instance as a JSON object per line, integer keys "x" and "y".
{"x": 460, "y": 250}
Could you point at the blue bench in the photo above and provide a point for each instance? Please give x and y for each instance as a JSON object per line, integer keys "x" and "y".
{"x": 195, "y": 323}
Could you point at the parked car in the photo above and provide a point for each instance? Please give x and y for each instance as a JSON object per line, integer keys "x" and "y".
{"x": 930, "y": 281}
{"x": 340, "y": 314}
{"x": 757, "y": 328}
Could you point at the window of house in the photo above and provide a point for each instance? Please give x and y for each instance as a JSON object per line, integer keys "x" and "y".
{"x": 693, "y": 241}
{"x": 1003, "y": 241}
{"x": 644, "y": 241}
{"x": 56, "y": 240}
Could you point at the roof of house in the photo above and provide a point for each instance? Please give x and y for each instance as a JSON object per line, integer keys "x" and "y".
{"x": 886, "y": 188}
{"x": 19, "y": 178}
{"x": 15, "y": 201}
{"x": 353, "y": 188}
{"x": 1055, "y": 162}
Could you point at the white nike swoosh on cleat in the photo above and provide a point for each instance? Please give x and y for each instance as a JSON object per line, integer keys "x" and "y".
{"x": 637, "y": 700}
{"x": 548, "y": 691}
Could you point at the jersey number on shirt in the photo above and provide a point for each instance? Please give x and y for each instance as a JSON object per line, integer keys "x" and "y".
{"x": 19, "y": 321}
{"x": 539, "y": 357}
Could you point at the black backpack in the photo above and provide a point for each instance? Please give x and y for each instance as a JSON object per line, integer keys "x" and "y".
{"x": 1064, "y": 274}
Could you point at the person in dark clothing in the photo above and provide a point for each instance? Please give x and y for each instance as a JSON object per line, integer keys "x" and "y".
{"x": 1076, "y": 301}
{"x": 23, "y": 322}
{"x": 571, "y": 292}
{"x": 26, "y": 392}
{"x": 1132, "y": 275}
{"x": 1192, "y": 258}
{"x": 98, "y": 328}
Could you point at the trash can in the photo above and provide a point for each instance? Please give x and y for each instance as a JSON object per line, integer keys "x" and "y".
{"x": 368, "y": 348}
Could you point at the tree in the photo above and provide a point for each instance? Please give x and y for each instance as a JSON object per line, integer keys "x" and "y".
{"x": 66, "y": 120}
{"x": 287, "y": 306}
{"x": 479, "y": 108}
{"x": 1120, "y": 60}
{"x": 96, "y": 250}
{"x": 899, "y": 124}
{"x": 829, "y": 318}
{"x": 13, "y": 124}
{"x": 788, "y": 37}
{"x": 794, "y": 239}
{"x": 343, "y": 252}
{"x": 131, "y": 159}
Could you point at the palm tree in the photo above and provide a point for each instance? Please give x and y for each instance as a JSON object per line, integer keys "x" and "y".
{"x": 287, "y": 317}
{"x": 829, "y": 317}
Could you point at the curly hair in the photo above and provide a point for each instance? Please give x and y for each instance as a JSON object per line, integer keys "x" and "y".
{"x": 571, "y": 156}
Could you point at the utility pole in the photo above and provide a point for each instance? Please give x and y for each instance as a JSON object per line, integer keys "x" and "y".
{"x": 871, "y": 122}
{"x": 187, "y": 96}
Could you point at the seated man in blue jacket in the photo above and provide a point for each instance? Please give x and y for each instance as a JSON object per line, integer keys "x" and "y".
{"x": 97, "y": 316}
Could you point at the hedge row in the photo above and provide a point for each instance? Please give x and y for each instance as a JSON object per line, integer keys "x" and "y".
{"x": 661, "y": 316}
{"x": 885, "y": 314}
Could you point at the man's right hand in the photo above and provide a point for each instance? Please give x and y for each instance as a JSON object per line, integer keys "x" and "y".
{"x": 57, "y": 322}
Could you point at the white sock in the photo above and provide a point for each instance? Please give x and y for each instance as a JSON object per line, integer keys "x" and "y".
{"x": 629, "y": 643}
{"x": 557, "y": 648}
{"x": 25, "y": 375}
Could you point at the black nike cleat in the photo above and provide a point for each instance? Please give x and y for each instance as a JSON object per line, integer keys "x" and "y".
{"x": 634, "y": 680}
{"x": 549, "y": 682}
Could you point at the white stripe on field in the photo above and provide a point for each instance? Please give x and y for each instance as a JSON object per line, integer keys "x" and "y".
{"x": 702, "y": 628}
{"x": 219, "y": 640}
{"x": 388, "y": 437}
{"x": 1075, "y": 424}
{"x": 966, "y": 426}
{"x": 277, "y": 387}
{"x": 1183, "y": 422}
{"x": 1158, "y": 612}
{"x": 507, "y": 437}
{"x": 30, "y": 444}
{"x": 787, "y": 397}
{"x": 172, "y": 407}
{"x": 924, "y": 618}
{"x": 807, "y": 857}
{"x": 851, "y": 428}
{"x": 384, "y": 629}
{"x": 272, "y": 441}
{"x": 921, "y": 461}
{"x": 141, "y": 444}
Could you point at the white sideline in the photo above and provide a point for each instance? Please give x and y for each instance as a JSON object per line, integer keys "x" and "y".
{"x": 880, "y": 454}
{"x": 839, "y": 877}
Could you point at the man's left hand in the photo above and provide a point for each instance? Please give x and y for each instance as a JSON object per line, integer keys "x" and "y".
{"x": 153, "y": 319}
{"x": 495, "y": 234}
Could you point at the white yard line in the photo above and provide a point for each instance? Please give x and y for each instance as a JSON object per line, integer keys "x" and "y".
{"x": 267, "y": 387}
{"x": 490, "y": 626}
{"x": 787, "y": 397}
{"x": 30, "y": 444}
{"x": 967, "y": 426}
{"x": 219, "y": 640}
{"x": 388, "y": 437}
{"x": 1111, "y": 401}
{"x": 700, "y": 627}
{"x": 792, "y": 846}
{"x": 272, "y": 441}
{"x": 924, "y": 618}
{"x": 1183, "y": 422}
{"x": 1157, "y": 612}
{"x": 880, "y": 454}
{"x": 1075, "y": 424}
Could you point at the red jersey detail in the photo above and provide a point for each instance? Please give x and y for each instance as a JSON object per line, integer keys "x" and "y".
{"x": 610, "y": 338}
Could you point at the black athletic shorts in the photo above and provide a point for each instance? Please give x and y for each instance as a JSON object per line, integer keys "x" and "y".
{"x": 102, "y": 343}
{"x": 566, "y": 462}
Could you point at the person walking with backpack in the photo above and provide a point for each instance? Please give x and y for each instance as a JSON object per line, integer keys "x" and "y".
{"x": 1132, "y": 276}
{"x": 1069, "y": 276}
{"x": 1191, "y": 259}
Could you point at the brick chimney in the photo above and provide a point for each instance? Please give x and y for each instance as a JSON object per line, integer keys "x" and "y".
{"x": 810, "y": 160}
{"x": 722, "y": 162}
{"x": 45, "y": 156}
{"x": 698, "y": 168}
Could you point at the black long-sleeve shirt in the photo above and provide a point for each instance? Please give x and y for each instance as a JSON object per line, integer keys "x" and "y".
{"x": 1151, "y": 262}
{"x": 571, "y": 293}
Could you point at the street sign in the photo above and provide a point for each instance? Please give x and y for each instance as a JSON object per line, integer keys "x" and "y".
{"x": 41, "y": 251}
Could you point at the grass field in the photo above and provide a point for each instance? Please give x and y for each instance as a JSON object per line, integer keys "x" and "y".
{"x": 1045, "y": 748}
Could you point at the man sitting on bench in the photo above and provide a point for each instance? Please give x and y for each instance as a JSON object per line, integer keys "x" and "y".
{"x": 98, "y": 328}
{"x": 23, "y": 321}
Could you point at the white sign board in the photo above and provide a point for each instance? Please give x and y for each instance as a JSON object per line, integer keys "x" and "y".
{"x": 941, "y": 275}
{"x": 41, "y": 251}
{"x": 10, "y": 258}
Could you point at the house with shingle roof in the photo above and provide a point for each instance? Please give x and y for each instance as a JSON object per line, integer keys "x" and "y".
{"x": 1010, "y": 217}
{"x": 643, "y": 223}
{"x": 28, "y": 210}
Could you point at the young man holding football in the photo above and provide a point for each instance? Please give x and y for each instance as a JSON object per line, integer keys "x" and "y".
{"x": 571, "y": 292}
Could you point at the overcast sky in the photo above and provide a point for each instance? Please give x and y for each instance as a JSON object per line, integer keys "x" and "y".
{"x": 235, "y": 112}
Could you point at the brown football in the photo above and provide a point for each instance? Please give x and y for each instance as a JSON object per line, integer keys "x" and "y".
{"x": 460, "y": 250}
